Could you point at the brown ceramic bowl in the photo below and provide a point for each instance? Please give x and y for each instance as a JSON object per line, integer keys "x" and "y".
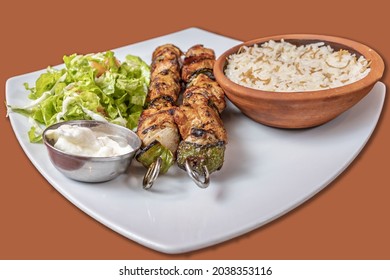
{"x": 300, "y": 109}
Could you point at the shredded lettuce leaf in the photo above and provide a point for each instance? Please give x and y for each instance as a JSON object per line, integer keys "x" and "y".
{"x": 93, "y": 86}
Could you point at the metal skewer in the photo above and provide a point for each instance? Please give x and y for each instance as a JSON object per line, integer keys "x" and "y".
{"x": 201, "y": 180}
{"x": 152, "y": 174}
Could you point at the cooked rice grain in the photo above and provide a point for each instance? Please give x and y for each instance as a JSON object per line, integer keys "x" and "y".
{"x": 284, "y": 67}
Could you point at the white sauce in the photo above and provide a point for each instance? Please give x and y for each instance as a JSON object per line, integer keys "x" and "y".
{"x": 83, "y": 141}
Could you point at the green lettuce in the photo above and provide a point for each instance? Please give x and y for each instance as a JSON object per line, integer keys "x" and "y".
{"x": 93, "y": 86}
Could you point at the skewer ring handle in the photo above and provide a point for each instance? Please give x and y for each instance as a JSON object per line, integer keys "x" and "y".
{"x": 196, "y": 177}
{"x": 152, "y": 174}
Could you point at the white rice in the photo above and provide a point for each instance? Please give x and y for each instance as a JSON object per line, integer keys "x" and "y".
{"x": 284, "y": 67}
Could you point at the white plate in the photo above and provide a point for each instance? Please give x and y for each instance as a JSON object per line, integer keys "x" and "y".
{"x": 267, "y": 171}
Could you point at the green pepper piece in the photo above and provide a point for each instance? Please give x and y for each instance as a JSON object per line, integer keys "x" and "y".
{"x": 211, "y": 155}
{"x": 150, "y": 153}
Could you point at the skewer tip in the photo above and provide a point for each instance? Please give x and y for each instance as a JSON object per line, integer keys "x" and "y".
{"x": 152, "y": 174}
{"x": 201, "y": 180}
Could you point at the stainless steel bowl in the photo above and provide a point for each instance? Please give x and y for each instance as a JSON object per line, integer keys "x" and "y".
{"x": 92, "y": 169}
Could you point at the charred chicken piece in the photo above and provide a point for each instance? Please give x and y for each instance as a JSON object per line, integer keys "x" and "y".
{"x": 209, "y": 90}
{"x": 198, "y": 67}
{"x": 198, "y": 118}
{"x": 159, "y": 124}
{"x": 200, "y": 124}
{"x": 198, "y": 59}
{"x": 159, "y": 135}
{"x": 197, "y": 53}
{"x": 156, "y": 127}
{"x": 167, "y": 50}
{"x": 203, "y": 137}
{"x": 164, "y": 84}
{"x": 169, "y": 67}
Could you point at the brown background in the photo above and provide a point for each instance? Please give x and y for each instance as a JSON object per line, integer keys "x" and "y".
{"x": 348, "y": 220}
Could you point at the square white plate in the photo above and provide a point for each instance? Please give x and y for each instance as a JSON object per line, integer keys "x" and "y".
{"x": 267, "y": 171}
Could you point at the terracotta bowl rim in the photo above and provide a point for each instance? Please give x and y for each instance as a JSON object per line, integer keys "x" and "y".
{"x": 236, "y": 90}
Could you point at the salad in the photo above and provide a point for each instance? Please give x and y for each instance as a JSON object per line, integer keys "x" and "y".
{"x": 93, "y": 86}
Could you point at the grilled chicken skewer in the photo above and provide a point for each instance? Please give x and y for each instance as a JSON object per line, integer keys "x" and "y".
{"x": 204, "y": 137}
{"x": 156, "y": 127}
